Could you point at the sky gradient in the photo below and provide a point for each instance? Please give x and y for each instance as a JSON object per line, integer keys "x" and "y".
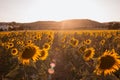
{"x": 57, "y": 10}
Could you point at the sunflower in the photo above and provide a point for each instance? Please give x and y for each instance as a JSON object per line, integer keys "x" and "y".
{"x": 108, "y": 35}
{"x": 30, "y": 51}
{"x": 14, "y": 51}
{"x": 35, "y": 37}
{"x": 107, "y": 63}
{"x": 88, "y": 53}
{"x": 82, "y": 49}
{"x": 50, "y": 36}
{"x": 102, "y": 42}
{"x": 116, "y": 40}
{"x": 74, "y": 42}
{"x": 20, "y": 42}
{"x": 46, "y": 46}
{"x": 29, "y": 41}
{"x": 87, "y": 41}
{"x": 39, "y": 35}
{"x": 11, "y": 45}
{"x": 43, "y": 54}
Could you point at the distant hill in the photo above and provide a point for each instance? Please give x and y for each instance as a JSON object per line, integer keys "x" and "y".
{"x": 112, "y": 25}
{"x": 73, "y": 24}
{"x": 81, "y": 24}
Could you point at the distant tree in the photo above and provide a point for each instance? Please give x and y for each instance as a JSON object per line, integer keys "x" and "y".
{"x": 1, "y": 29}
{"x": 113, "y": 25}
{"x": 12, "y": 23}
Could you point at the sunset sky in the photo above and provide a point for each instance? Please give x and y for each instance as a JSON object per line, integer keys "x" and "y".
{"x": 57, "y": 10}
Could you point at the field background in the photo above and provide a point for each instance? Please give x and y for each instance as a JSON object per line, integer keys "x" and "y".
{"x": 66, "y": 52}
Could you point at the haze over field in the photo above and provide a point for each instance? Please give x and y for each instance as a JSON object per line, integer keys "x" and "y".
{"x": 57, "y": 10}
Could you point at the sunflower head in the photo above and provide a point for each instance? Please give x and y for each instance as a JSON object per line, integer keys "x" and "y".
{"x": 30, "y": 51}
{"x": 29, "y": 41}
{"x": 43, "y": 54}
{"x": 20, "y": 42}
{"x": 109, "y": 62}
{"x": 102, "y": 42}
{"x": 74, "y": 42}
{"x": 88, "y": 54}
{"x": 46, "y": 46}
{"x": 87, "y": 42}
{"x": 35, "y": 38}
{"x": 7, "y": 46}
{"x": 11, "y": 45}
{"x": 14, "y": 51}
{"x": 116, "y": 40}
{"x": 82, "y": 49}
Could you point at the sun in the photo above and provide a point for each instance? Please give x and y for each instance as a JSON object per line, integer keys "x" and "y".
{"x": 30, "y": 52}
{"x": 108, "y": 63}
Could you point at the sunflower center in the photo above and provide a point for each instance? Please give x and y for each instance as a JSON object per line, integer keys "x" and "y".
{"x": 88, "y": 53}
{"x": 28, "y": 52}
{"x": 11, "y": 44}
{"x": 88, "y": 41}
{"x": 13, "y": 51}
{"x": 46, "y": 46}
{"x": 107, "y": 62}
{"x": 42, "y": 53}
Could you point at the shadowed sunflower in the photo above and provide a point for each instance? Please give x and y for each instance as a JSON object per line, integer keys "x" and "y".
{"x": 74, "y": 42}
{"x": 30, "y": 51}
{"x": 46, "y": 46}
{"x": 88, "y": 53}
{"x": 43, "y": 54}
{"x": 14, "y": 51}
{"x": 82, "y": 49}
{"x": 109, "y": 62}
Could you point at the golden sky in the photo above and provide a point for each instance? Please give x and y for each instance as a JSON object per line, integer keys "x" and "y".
{"x": 37, "y": 10}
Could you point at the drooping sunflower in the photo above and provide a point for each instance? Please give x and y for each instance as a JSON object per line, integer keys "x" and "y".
{"x": 43, "y": 54}
{"x": 30, "y": 51}
{"x": 74, "y": 42}
{"x": 88, "y": 53}
{"x": 14, "y": 51}
{"x": 108, "y": 63}
{"x": 46, "y": 46}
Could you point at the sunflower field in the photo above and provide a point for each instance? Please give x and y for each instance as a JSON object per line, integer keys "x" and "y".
{"x": 60, "y": 55}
